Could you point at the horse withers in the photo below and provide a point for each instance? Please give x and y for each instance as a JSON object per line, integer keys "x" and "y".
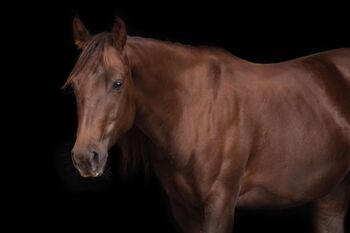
{"x": 220, "y": 132}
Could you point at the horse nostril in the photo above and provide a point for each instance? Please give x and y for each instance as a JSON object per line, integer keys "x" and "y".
{"x": 95, "y": 156}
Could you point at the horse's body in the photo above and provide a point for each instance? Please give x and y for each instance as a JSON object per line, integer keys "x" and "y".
{"x": 224, "y": 132}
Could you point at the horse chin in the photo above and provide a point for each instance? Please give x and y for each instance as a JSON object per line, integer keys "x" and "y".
{"x": 91, "y": 174}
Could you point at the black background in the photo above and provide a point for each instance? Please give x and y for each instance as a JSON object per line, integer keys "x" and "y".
{"x": 48, "y": 193}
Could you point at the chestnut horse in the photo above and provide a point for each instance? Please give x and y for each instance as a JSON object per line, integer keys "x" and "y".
{"x": 220, "y": 132}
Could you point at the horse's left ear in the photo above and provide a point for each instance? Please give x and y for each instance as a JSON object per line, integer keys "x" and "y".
{"x": 119, "y": 33}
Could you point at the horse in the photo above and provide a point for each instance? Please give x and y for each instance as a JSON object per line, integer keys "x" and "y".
{"x": 220, "y": 132}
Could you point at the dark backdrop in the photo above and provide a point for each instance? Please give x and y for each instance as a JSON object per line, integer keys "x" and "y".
{"x": 48, "y": 190}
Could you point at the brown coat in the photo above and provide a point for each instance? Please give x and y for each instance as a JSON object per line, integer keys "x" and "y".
{"x": 221, "y": 132}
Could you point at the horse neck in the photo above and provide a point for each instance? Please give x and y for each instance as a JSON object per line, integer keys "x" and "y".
{"x": 157, "y": 69}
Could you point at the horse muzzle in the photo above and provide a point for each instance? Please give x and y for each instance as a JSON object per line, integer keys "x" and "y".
{"x": 89, "y": 163}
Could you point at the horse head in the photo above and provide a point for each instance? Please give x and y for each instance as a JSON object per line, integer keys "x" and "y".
{"x": 103, "y": 87}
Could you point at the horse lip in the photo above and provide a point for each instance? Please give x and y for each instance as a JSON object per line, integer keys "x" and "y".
{"x": 98, "y": 173}
{"x": 91, "y": 173}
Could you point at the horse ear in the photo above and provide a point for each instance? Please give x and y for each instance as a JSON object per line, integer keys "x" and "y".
{"x": 119, "y": 33}
{"x": 80, "y": 33}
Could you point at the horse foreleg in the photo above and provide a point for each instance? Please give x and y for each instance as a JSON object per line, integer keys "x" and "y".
{"x": 219, "y": 211}
{"x": 213, "y": 216}
{"x": 330, "y": 211}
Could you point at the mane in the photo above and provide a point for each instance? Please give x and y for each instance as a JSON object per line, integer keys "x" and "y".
{"x": 91, "y": 56}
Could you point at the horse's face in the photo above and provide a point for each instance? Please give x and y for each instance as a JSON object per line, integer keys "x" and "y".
{"x": 103, "y": 87}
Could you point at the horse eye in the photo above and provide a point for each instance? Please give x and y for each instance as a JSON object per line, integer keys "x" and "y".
{"x": 116, "y": 85}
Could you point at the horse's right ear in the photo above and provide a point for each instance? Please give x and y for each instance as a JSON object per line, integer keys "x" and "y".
{"x": 80, "y": 33}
